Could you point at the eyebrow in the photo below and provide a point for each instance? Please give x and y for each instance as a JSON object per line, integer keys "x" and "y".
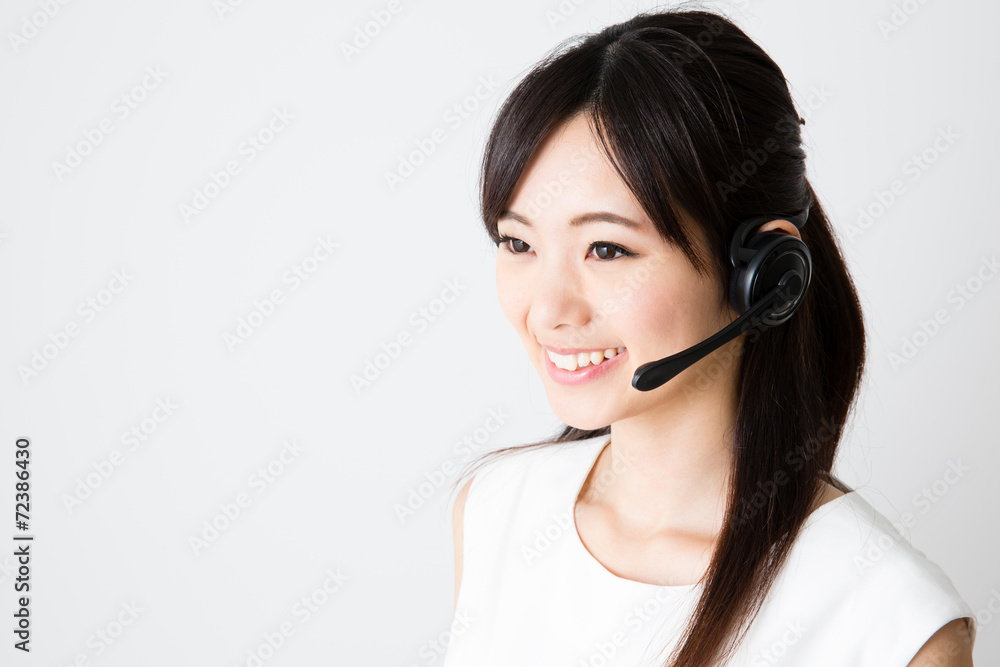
{"x": 582, "y": 219}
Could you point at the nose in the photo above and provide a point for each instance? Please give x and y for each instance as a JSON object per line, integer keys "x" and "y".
{"x": 558, "y": 298}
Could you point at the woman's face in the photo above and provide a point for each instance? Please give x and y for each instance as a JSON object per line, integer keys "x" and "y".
{"x": 564, "y": 294}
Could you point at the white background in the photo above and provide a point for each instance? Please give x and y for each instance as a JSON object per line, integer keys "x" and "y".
{"x": 873, "y": 100}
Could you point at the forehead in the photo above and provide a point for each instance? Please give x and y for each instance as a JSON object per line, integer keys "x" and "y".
{"x": 569, "y": 174}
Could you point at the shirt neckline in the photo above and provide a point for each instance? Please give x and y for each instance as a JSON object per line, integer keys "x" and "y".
{"x": 591, "y": 461}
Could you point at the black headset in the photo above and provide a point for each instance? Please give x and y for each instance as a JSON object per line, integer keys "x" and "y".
{"x": 767, "y": 260}
{"x": 770, "y": 274}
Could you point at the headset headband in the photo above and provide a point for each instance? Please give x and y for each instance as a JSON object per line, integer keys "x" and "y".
{"x": 748, "y": 225}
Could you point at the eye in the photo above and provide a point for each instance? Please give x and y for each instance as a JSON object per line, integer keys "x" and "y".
{"x": 505, "y": 241}
{"x": 611, "y": 249}
{"x": 509, "y": 244}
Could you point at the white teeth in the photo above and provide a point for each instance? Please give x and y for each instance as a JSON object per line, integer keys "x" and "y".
{"x": 583, "y": 359}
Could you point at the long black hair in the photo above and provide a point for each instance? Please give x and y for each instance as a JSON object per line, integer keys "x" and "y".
{"x": 698, "y": 122}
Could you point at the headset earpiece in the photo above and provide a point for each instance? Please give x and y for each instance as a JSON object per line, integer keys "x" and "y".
{"x": 763, "y": 262}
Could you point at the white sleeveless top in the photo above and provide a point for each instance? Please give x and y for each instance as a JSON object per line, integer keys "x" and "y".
{"x": 853, "y": 591}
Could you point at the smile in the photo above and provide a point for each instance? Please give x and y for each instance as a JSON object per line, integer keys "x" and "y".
{"x": 571, "y": 362}
{"x": 580, "y": 367}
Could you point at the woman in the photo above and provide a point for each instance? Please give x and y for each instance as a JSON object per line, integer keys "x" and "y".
{"x": 689, "y": 511}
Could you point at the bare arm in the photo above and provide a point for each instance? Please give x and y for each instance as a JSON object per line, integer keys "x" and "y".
{"x": 457, "y": 516}
{"x": 951, "y": 646}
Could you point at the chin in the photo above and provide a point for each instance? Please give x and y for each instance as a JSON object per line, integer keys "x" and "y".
{"x": 580, "y": 417}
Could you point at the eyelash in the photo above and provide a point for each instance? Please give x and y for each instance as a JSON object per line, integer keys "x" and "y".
{"x": 505, "y": 242}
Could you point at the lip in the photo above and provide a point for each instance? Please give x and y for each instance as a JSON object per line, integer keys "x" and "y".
{"x": 566, "y": 351}
{"x": 580, "y": 375}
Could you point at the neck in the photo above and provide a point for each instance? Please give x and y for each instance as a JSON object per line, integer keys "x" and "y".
{"x": 668, "y": 470}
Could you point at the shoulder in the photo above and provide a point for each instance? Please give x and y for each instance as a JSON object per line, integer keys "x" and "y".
{"x": 518, "y": 483}
{"x": 509, "y": 471}
{"x": 852, "y": 577}
{"x": 484, "y": 505}
{"x": 495, "y": 477}
{"x": 868, "y": 551}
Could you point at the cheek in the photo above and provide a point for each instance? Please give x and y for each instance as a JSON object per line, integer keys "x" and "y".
{"x": 510, "y": 296}
{"x": 654, "y": 313}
